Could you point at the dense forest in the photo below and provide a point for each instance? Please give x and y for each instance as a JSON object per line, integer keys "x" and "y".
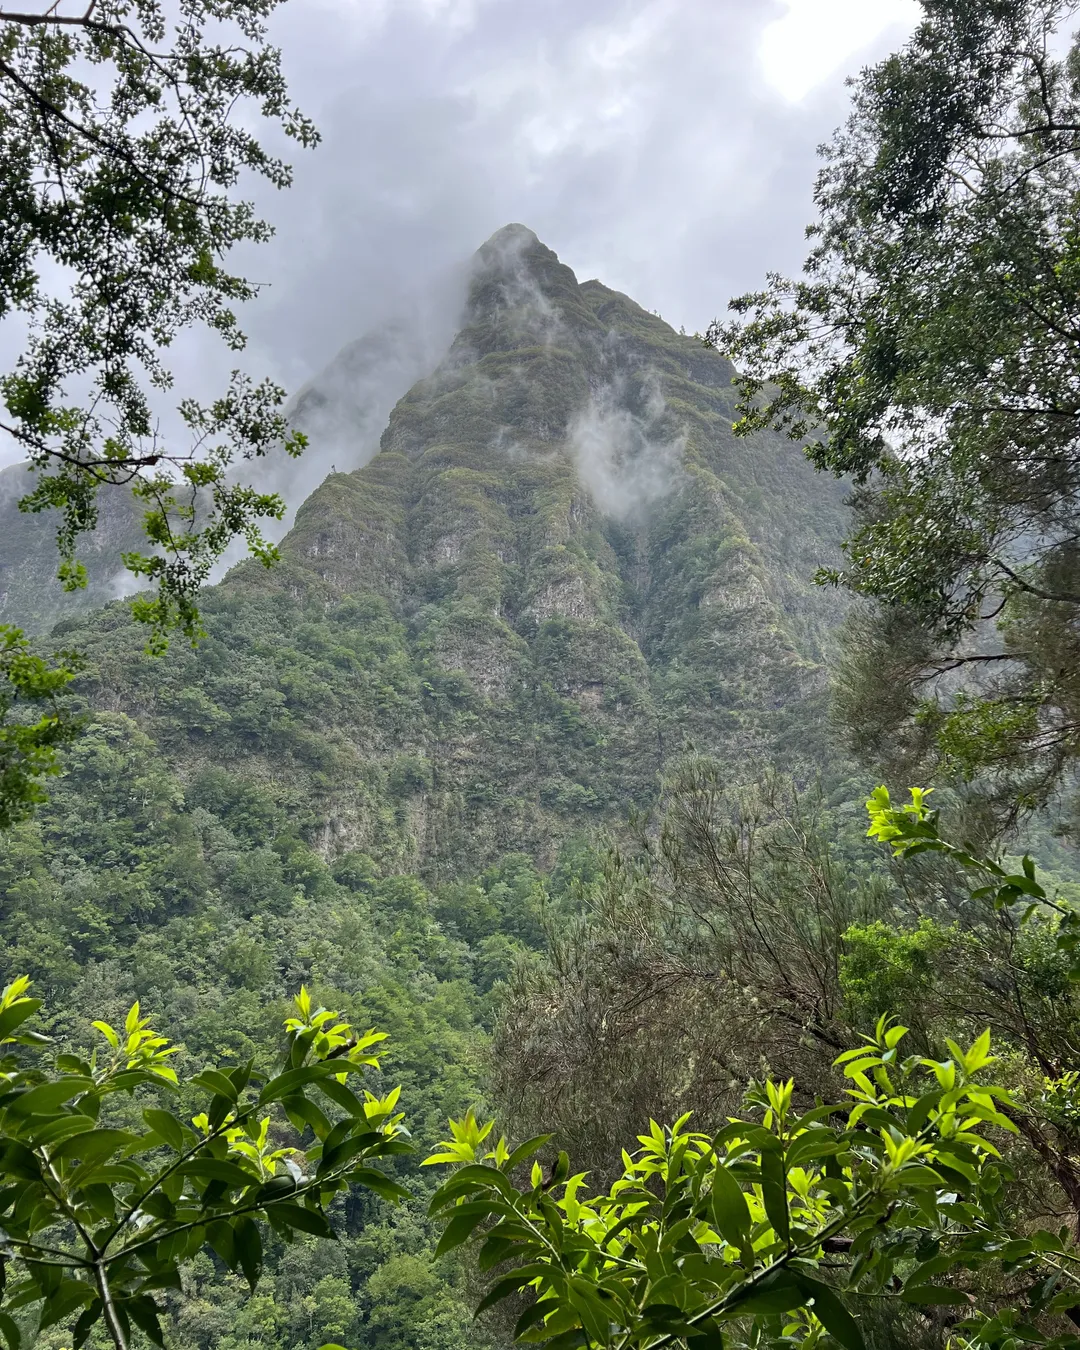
{"x": 479, "y": 916}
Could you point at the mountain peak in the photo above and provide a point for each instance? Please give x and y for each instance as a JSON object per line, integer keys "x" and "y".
{"x": 514, "y": 234}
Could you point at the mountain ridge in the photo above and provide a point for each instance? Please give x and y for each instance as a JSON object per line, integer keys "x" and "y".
{"x": 524, "y": 663}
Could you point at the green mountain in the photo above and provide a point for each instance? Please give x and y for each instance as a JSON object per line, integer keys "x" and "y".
{"x": 558, "y": 569}
{"x": 387, "y": 756}
{"x": 343, "y": 410}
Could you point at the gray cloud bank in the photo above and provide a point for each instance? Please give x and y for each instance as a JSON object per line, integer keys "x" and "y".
{"x": 636, "y": 137}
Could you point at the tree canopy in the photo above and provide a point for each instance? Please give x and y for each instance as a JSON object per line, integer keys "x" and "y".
{"x": 124, "y": 134}
{"x": 929, "y": 351}
{"x": 101, "y": 1205}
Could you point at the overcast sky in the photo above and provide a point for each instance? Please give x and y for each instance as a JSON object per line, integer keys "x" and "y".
{"x": 664, "y": 146}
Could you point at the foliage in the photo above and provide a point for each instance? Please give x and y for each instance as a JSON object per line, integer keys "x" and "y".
{"x": 121, "y": 154}
{"x": 929, "y": 351}
{"x": 120, "y": 158}
{"x": 200, "y": 900}
{"x": 29, "y": 746}
{"x": 97, "y": 1216}
{"x": 772, "y": 1230}
{"x": 757, "y": 941}
{"x": 703, "y": 956}
{"x": 913, "y": 829}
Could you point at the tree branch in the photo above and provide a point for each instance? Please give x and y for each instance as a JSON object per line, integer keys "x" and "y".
{"x": 1061, "y": 597}
{"x": 67, "y": 21}
{"x": 96, "y": 139}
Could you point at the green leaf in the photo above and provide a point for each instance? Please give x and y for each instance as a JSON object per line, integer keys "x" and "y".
{"x": 301, "y": 1111}
{"x": 920, "y": 1112}
{"x": 73, "y": 1064}
{"x": 380, "y": 1183}
{"x": 18, "y": 1161}
{"x": 216, "y": 1169}
{"x": 277, "y": 1188}
{"x": 774, "y": 1193}
{"x": 287, "y": 1082}
{"x": 342, "y": 1096}
{"x": 46, "y": 1276}
{"x": 221, "y": 1237}
{"x": 17, "y": 1014}
{"x": 935, "y": 1294}
{"x": 728, "y": 1208}
{"x": 68, "y": 1295}
{"x": 168, "y": 1278}
{"x": 534, "y": 1314}
{"x": 526, "y": 1150}
{"x": 831, "y": 1313}
{"x": 249, "y": 1249}
{"x": 85, "y": 1324}
{"x": 9, "y": 1329}
{"x": 509, "y": 1284}
{"x": 334, "y": 1159}
{"x": 165, "y": 1124}
{"x": 813, "y": 1145}
{"x": 776, "y": 1294}
{"x": 463, "y": 1223}
{"x": 306, "y": 1220}
{"x": 591, "y": 1309}
{"x": 93, "y": 1145}
{"x": 479, "y": 1174}
{"x": 666, "y": 1315}
{"x": 143, "y": 1311}
{"x": 49, "y": 1097}
{"x": 705, "y": 1336}
{"x": 60, "y": 1128}
{"x": 216, "y": 1082}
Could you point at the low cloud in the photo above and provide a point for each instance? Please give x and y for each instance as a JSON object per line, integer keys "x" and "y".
{"x": 626, "y": 458}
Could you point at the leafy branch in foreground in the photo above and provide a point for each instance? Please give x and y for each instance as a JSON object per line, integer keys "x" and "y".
{"x": 929, "y": 350}
{"x": 913, "y": 828}
{"x": 97, "y": 1213}
{"x": 781, "y": 1227}
{"x": 124, "y": 130}
{"x": 123, "y": 133}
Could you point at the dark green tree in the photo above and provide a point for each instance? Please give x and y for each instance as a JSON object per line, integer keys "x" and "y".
{"x": 930, "y": 351}
{"x": 124, "y": 131}
{"x": 33, "y": 722}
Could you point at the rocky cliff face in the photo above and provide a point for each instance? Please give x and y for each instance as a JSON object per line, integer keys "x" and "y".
{"x": 559, "y": 568}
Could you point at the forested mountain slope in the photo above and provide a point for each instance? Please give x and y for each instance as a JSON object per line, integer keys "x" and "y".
{"x": 560, "y": 566}
{"x": 478, "y": 649}
{"x": 30, "y": 594}
{"x": 343, "y": 411}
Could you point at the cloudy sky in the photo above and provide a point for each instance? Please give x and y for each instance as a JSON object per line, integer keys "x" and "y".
{"x": 664, "y": 146}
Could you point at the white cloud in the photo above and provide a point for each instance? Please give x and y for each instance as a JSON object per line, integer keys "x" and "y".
{"x": 815, "y": 38}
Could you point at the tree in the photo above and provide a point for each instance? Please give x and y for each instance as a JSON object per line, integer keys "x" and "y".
{"x": 757, "y": 942}
{"x": 33, "y": 722}
{"x": 930, "y": 351}
{"x": 774, "y": 1229}
{"x": 122, "y": 148}
{"x": 103, "y": 1199}
{"x": 713, "y": 948}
